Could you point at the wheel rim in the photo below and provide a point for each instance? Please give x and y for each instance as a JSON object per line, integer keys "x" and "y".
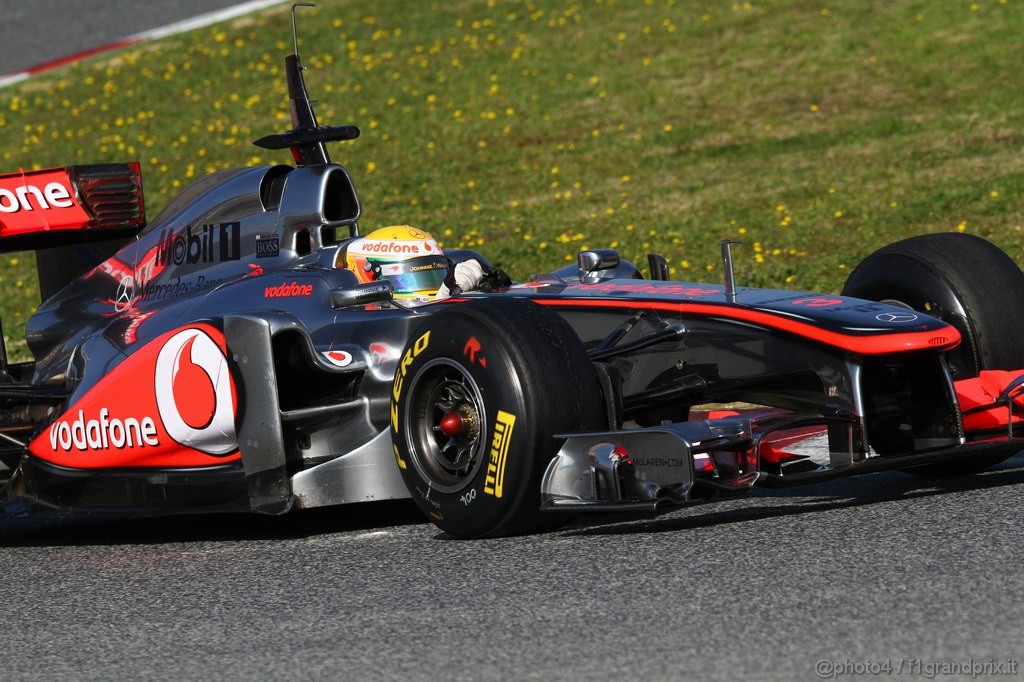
{"x": 444, "y": 417}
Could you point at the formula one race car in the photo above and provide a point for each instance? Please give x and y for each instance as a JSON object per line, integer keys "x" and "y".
{"x": 220, "y": 359}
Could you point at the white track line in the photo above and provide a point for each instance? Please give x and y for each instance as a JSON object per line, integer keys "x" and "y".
{"x": 175, "y": 28}
{"x": 206, "y": 19}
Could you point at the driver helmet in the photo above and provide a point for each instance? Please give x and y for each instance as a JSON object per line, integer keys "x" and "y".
{"x": 405, "y": 255}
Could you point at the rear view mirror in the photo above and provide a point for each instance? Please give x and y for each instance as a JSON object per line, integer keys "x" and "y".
{"x": 362, "y": 294}
{"x": 597, "y": 260}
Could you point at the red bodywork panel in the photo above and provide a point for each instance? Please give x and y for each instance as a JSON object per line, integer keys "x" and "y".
{"x": 173, "y": 403}
{"x": 58, "y": 206}
{"x": 39, "y": 200}
{"x": 977, "y": 398}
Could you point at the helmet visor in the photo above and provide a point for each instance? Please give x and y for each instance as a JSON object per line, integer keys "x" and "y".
{"x": 420, "y": 274}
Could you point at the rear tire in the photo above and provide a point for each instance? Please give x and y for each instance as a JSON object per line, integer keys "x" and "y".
{"x": 514, "y": 375}
{"x": 968, "y": 283}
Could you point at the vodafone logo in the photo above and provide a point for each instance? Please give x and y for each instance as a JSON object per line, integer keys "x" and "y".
{"x": 171, "y": 403}
{"x": 338, "y": 358}
{"x": 53, "y": 194}
{"x": 194, "y": 394}
{"x": 288, "y": 290}
{"x": 40, "y": 200}
{"x": 400, "y": 248}
{"x": 106, "y": 432}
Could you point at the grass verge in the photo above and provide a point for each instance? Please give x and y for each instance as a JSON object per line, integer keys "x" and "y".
{"x": 814, "y": 131}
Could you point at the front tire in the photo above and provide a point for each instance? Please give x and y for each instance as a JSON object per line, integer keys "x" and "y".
{"x": 480, "y": 393}
{"x": 965, "y": 281}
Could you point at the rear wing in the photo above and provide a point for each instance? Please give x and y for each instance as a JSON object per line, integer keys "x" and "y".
{"x": 71, "y": 205}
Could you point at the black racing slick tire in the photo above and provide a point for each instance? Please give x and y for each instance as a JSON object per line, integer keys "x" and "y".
{"x": 961, "y": 279}
{"x": 480, "y": 393}
{"x": 968, "y": 283}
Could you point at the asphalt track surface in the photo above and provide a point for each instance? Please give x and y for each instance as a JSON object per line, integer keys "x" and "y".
{"x": 876, "y": 570}
{"x": 37, "y": 31}
{"x": 884, "y": 567}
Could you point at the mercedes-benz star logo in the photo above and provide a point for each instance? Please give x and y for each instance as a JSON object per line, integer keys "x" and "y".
{"x": 125, "y": 293}
{"x": 897, "y": 318}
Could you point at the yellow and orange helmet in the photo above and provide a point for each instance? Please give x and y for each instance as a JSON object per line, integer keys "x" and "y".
{"x": 407, "y": 256}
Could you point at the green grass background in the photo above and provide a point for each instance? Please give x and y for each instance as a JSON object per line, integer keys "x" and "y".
{"x": 814, "y": 131}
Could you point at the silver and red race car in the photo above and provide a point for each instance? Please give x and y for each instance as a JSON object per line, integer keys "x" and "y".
{"x": 218, "y": 359}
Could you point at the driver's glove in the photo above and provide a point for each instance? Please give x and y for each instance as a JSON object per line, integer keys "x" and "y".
{"x": 464, "y": 276}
